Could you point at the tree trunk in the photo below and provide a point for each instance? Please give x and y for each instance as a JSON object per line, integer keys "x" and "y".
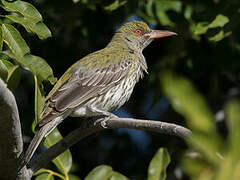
{"x": 11, "y": 143}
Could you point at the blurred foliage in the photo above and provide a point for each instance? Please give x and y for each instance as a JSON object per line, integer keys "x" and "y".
{"x": 158, "y": 165}
{"x": 156, "y": 170}
{"x": 198, "y": 72}
{"x": 214, "y": 161}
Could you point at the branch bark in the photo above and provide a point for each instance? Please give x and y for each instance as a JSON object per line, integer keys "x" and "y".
{"x": 11, "y": 144}
{"x": 90, "y": 127}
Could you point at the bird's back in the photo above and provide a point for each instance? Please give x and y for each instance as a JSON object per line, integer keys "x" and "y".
{"x": 104, "y": 79}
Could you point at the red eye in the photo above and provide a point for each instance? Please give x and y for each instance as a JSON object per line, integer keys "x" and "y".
{"x": 138, "y": 31}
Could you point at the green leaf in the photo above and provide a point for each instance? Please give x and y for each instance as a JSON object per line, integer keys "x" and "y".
{"x": 75, "y": 1}
{"x": 188, "y": 102}
{"x": 48, "y": 171}
{"x": 39, "y": 100}
{"x": 102, "y": 172}
{"x": 188, "y": 13}
{"x": 14, "y": 40}
{"x": 24, "y": 8}
{"x": 41, "y": 30}
{"x": 14, "y": 77}
{"x": 45, "y": 176}
{"x": 219, "y": 21}
{"x": 73, "y": 177}
{"x": 38, "y": 28}
{"x": 117, "y": 176}
{"x": 1, "y": 38}
{"x": 219, "y": 36}
{"x": 193, "y": 165}
{"x": 10, "y": 73}
{"x": 158, "y": 165}
{"x": 229, "y": 166}
{"x": 4, "y": 69}
{"x": 37, "y": 65}
{"x": 201, "y": 28}
{"x": 233, "y": 121}
{"x": 149, "y": 8}
{"x": 116, "y": 4}
{"x": 13, "y": 74}
{"x": 64, "y": 160}
{"x": 165, "y": 5}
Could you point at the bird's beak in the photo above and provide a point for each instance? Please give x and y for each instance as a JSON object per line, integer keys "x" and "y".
{"x": 154, "y": 34}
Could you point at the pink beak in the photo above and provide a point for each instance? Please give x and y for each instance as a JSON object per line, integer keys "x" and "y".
{"x": 154, "y": 34}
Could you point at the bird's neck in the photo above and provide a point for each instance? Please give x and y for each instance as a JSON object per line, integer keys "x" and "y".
{"x": 122, "y": 42}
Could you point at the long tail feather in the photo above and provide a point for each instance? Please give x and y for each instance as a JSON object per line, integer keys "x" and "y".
{"x": 43, "y": 132}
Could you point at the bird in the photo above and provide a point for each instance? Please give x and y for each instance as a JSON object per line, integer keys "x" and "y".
{"x": 98, "y": 83}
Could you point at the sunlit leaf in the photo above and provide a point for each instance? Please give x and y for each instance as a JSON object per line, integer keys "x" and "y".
{"x": 116, "y": 4}
{"x": 194, "y": 165}
{"x": 41, "y": 30}
{"x": 161, "y": 10}
{"x": 102, "y": 172}
{"x": 64, "y": 160}
{"x": 188, "y": 12}
{"x": 188, "y": 102}
{"x": 1, "y": 38}
{"x": 49, "y": 171}
{"x": 118, "y": 176}
{"x": 24, "y": 8}
{"x": 4, "y": 69}
{"x": 201, "y": 28}
{"x": 14, "y": 40}
{"x": 37, "y": 65}
{"x": 219, "y": 21}
{"x": 75, "y": 1}
{"x": 219, "y": 36}
{"x": 229, "y": 167}
{"x": 158, "y": 165}
{"x": 38, "y": 28}
{"x": 45, "y": 176}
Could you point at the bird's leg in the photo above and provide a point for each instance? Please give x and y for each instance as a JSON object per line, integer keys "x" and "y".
{"x": 107, "y": 115}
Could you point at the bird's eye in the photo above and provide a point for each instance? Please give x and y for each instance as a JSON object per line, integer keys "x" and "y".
{"x": 138, "y": 31}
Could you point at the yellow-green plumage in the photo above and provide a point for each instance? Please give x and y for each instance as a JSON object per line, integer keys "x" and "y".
{"x": 100, "y": 82}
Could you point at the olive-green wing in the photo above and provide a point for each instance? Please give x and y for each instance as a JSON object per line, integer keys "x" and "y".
{"x": 83, "y": 83}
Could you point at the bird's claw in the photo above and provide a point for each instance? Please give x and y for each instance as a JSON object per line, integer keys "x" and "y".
{"x": 103, "y": 122}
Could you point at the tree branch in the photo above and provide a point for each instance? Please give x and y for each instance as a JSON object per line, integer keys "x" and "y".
{"x": 11, "y": 144}
{"x": 89, "y": 127}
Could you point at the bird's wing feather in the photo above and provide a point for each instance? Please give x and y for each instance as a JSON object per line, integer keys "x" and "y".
{"x": 88, "y": 85}
{"x": 83, "y": 83}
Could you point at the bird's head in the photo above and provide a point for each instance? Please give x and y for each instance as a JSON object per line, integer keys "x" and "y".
{"x": 138, "y": 35}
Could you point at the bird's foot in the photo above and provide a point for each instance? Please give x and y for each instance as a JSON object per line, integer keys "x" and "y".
{"x": 103, "y": 122}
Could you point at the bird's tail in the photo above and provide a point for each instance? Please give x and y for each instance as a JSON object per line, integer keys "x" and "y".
{"x": 43, "y": 132}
